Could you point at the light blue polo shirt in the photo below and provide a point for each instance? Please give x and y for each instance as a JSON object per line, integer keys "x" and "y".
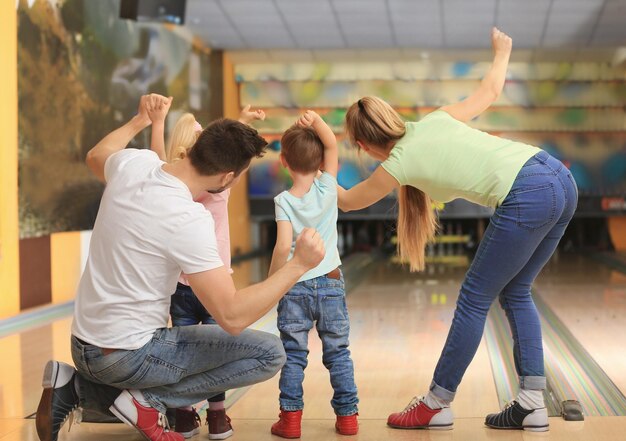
{"x": 316, "y": 209}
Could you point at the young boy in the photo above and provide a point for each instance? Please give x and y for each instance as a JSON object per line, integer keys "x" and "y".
{"x": 319, "y": 295}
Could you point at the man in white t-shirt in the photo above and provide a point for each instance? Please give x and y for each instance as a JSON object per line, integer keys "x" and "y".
{"x": 147, "y": 231}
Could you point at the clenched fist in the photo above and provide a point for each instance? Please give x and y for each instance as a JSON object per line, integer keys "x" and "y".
{"x": 310, "y": 249}
{"x": 501, "y": 42}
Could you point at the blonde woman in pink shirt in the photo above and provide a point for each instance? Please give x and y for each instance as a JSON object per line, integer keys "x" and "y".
{"x": 185, "y": 308}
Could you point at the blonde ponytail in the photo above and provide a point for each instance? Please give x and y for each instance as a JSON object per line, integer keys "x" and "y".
{"x": 373, "y": 121}
{"x": 183, "y": 137}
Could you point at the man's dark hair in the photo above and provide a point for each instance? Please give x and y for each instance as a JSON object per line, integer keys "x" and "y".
{"x": 226, "y": 145}
{"x": 302, "y": 149}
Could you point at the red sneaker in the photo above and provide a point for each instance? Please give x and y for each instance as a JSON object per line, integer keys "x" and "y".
{"x": 187, "y": 422}
{"x": 418, "y": 415}
{"x": 347, "y": 425}
{"x": 289, "y": 424}
{"x": 219, "y": 424}
{"x": 147, "y": 420}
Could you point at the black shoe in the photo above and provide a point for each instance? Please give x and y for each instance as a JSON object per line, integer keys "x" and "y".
{"x": 515, "y": 416}
{"x": 58, "y": 400}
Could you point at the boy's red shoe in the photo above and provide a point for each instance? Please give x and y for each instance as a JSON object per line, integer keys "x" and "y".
{"x": 418, "y": 415}
{"x": 347, "y": 425}
{"x": 289, "y": 424}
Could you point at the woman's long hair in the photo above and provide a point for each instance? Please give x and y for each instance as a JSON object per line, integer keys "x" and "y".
{"x": 183, "y": 136}
{"x": 373, "y": 121}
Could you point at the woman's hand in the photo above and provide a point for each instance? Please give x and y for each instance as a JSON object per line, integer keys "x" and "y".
{"x": 501, "y": 42}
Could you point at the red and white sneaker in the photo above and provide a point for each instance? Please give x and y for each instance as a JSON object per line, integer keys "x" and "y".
{"x": 418, "y": 415}
{"x": 147, "y": 420}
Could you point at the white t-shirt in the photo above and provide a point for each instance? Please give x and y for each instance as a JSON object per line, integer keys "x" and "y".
{"x": 147, "y": 231}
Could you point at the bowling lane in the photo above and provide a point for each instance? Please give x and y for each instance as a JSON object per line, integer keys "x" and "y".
{"x": 590, "y": 299}
{"x": 399, "y": 323}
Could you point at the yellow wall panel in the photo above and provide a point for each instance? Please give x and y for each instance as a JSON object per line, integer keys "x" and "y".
{"x": 238, "y": 211}
{"x": 9, "y": 235}
{"x": 65, "y": 261}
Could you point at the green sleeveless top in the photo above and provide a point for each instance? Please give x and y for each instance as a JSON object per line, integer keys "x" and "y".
{"x": 447, "y": 159}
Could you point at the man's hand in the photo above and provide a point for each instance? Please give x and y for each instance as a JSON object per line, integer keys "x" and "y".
{"x": 501, "y": 42}
{"x": 309, "y": 250}
{"x": 307, "y": 119}
{"x": 142, "y": 112}
{"x": 156, "y": 107}
{"x": 247, "y": 116}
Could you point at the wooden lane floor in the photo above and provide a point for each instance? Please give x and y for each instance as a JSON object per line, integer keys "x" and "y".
{"x": 590, "y": 300}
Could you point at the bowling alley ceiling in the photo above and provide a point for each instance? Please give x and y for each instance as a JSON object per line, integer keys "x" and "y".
{"x": 425, "y": 24}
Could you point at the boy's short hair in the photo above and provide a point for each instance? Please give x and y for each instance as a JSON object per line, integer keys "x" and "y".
{"x": 224, "y": 146}
{"x": 302, "y": 149}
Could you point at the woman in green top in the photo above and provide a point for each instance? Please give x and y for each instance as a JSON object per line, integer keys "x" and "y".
{"x": 534, "y": 197}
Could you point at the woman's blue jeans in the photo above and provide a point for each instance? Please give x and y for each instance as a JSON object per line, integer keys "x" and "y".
{"x": 522, "y": 235}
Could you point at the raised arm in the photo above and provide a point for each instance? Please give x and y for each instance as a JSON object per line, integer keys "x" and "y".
{"x": 157, "y": 107}
{"x": 491, "y": 85}
{"x": 368, "y": 192}
{"x": 234, "y": 310}
{"x": 117, "y": 140}
{"x": 326, "y": 135}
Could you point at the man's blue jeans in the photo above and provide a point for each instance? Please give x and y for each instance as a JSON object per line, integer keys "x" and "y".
{"x": 522, "y": 235}
{"x": 187, "y": 310}
{"x": 321, "y": 300}
{"x": 180, "y": 366}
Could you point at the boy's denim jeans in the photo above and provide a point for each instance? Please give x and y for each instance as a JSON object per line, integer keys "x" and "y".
{"x": 180, "y": 366}
{"x": 522, "y": 235}
{"x": 321, "y": 300}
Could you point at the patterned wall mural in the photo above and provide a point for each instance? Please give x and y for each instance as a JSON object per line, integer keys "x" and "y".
{"x": 573, "y": 110}
{"x": 81, "y": 72}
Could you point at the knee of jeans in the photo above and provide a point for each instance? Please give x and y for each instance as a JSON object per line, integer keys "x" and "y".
{"x": 275, "y": 355}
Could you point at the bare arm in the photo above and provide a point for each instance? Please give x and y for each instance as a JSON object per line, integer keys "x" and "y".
{"x": 368, "y": 192}
{"x": 233, "y": 309}
{"x": 491, "y": 85}
{"x": 116, "y": 140}
{"x": 157, "y": 107}
{"x": 247, "y": 116}
{"x": 284, "y": 237}
{"x": 326, "y": 135}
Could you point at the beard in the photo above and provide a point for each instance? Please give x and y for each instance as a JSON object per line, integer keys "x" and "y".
{"x": 221, "y": 189}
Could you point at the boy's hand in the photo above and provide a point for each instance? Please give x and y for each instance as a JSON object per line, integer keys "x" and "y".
{"x": 501, "y": 42}
{"x": 307, "y": 119}
{"x": 157, "y": 107}
{"x": 247, "y": 116}
{"x": 309, "y": 250}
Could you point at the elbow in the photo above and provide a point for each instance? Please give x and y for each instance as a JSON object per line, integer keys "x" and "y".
{"x": 232, "y": 326}
{"x": 494, "y": 93}
{"x": 345, "y": 207}
{"x": 89, "y": 159}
